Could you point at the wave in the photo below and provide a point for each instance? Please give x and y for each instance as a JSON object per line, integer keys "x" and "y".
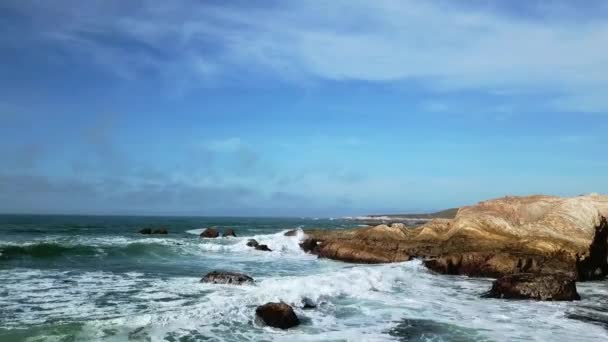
{"x": 44, "y": 250}
{"x": 47, "y": 250}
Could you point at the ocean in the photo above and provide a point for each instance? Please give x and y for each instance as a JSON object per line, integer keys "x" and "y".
{"x": 95, "y": 278}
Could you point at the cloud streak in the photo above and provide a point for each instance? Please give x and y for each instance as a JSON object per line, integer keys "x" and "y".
{"x": 446, "y": 45}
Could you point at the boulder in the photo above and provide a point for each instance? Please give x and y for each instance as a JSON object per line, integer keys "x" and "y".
{"x": 554, "y": 287}
{"x": 162, "y": 231}
{"x": 145, "y": 231}
{"x": 277, "y": 315}
{"x": 223, "y": 277}
{"x": 229, "y": 232}
{"x": 263, "y": 248}
{"x": 509, "y": 235}
{"x": 211, "y": 233}
{"x": 292, "y": 232}
{"x": 252, "y": 243}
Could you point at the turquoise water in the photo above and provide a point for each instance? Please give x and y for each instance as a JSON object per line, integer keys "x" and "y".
{"x": 76, "y": 278}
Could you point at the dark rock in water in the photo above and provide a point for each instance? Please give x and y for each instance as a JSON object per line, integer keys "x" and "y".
{"x": 145, "y": 231}
{"x": 160, "y": 231}
{"x": 278, "y": 315}
{"x": 221, "y": 277}
{"x": 229, "y": 232}
{"x": 595, "y": 265}
{"x": 309, "y": 245}
{"x": 292, "y": 232}
{"x": 409, "y": 330}
{"x": 558, "y": 286}
{"x": 252, "y": 243}
{"x": 211, "y": 233}
{"x": 308, "y": 303}
{"x": 263, "y": 248}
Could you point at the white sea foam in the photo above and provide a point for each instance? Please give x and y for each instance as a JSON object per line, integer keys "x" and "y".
{"x": 355, "y": 303}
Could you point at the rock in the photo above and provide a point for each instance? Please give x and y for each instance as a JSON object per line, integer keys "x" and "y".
{"x": 308, "y": 303}
{"x": 292, "y": 232}
{"x": 309, "y": 245}
{"x": 558, "y": 286}
{"x": 211, "y": 233}
{"x": 229, "y": 232}
{"x": 162, "y": 231}
{"x": 263, "y": 248}
{"x": 223, "y": 277}
{"x": 277, "y": 315}
{"x": 533, "y": 234}
{"x": 252, "y": 243}
{"x": 595, "y": 265}
{"x": 145, "y": 231}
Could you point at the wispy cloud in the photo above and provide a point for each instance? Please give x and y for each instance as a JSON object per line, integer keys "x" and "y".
{"x": 447, "y": 45}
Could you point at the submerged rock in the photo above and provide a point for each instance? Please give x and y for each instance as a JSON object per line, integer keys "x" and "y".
{"x": 211, "y": 233}
{"x": 533, "y": 234}
{"x": 308, "y": 303}
{"x": 224, "y": 277}
{"x": 554, "y": 287}
{"x": 252, "y": 243}
{"x": 145, "y": 231}
{"x": 162, "y": 231}
{"x": 277, "y": 315}
{"x": 263, "y": 248}
{"x": 229, "y": 232}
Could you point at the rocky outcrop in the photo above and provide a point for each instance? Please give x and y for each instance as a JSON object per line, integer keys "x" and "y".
{"x": 533, "y": 234}
{"x": 557, "y": 286}
{"x": 223, "y": 277}
{"x": 252, "y": 243}
{"x": 229, "y": 232}
{"x": 277, "y": 315}
{"x": 145, "y": 231}
{"x": 210, "y": 233}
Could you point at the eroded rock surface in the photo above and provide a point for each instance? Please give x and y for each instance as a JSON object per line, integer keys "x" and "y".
{"x": 211, "y": 233}
{"x": 533, "y": 234}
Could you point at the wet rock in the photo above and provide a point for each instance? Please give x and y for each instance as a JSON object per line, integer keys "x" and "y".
{"x": 211, "y": 233}
{"x": 162, "y": 231}
{"x": 309, "y": 245}
{"x": 229, "y": 232}
{"x": 308, "y": 303}
{"x": 277, "y": 315}
{"x": 252, "y": 243}
{"x": 292, "y": 232}
{"x": 145, "y": 231}
{"x": 553, "y": 287}
{"x": 263, "y": 248}
{"x": 223, "y": 277}
{"x": 594, "y": 266}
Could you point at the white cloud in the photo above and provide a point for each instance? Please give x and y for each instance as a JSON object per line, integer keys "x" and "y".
{"x": 439, "y": 43}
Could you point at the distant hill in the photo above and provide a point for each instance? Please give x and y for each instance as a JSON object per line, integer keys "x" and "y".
{"x": 444, "y": 214}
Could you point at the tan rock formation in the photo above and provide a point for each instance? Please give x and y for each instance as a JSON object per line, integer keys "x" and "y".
{"x": 509, "y": 235}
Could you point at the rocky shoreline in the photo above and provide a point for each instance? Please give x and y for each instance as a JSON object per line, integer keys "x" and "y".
{"x": 512, "y": 235}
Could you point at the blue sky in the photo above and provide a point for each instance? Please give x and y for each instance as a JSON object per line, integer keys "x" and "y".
{"x": 299, "y": 108}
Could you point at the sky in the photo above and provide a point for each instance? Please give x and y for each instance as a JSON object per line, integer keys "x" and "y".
{"x": 298, "y": 108}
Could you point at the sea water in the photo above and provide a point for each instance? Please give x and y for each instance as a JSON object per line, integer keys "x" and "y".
{"x": 77, "y": 278}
